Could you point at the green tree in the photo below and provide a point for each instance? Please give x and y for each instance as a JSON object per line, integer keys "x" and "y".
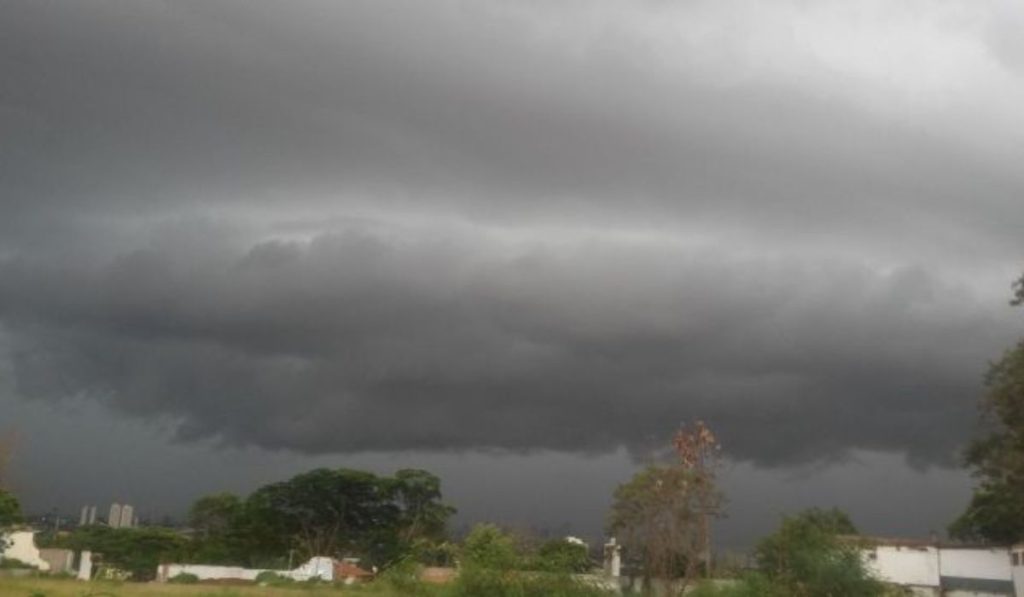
{"x": 135, "y": 550}
{"x": 321, "y": 512}
{"x": 10, "y": 510}
{"x": 10, "y": 514}
{"x": 807, "y": 557}
{"x": 423, "y": 514}
{"x": 215, "y": 521}
{"x": 560, "y": 555}
{"x": 996, "y": 510}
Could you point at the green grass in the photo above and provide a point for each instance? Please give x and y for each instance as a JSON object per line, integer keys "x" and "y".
{"x": 44, "y": 587}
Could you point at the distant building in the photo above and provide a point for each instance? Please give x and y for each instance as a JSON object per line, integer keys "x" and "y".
{"x": 927, "y": 568}
{"x": 114, "y": 520}
{"x": 127, "y": 516}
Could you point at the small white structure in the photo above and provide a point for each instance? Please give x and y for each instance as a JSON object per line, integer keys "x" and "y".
{"x": 318, "y": 567}
{"x": 21, "y": 546}
{"x": 613, "y": 558}
{"x": 929, "y": 568}
{"x": 85, "y": 566}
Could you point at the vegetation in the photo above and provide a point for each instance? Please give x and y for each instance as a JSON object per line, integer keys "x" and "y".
{"x": 806, "y": 557}
{"x": 137, "y": 551}
{"x": 996, "y": 510}
{"x": 661, "y": 515}
{"x": 493, "y": 565}
{"x": 10, "y": 510}
{"x": 184, "y": 579}
{"x": 323, "y": 512}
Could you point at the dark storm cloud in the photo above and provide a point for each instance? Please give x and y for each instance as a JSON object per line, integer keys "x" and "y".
{"x": 453, "y": 225}
{"x": 381, "y": 339}
{"x": 492, "y": 109}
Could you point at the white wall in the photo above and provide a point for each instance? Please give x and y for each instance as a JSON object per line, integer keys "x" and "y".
{"x": 906, "y": 566}
{"x": 991, "y": 564}
{"x": 22, "y": 546}
{"x": 319, "y": 567}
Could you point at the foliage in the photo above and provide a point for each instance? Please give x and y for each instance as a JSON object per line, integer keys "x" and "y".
{"x": 184, "y": 578}
{"x": 10, "y": 510}
{"x": 493, "y": 565}
{"x": 323, "y": 512}
{"x": 488, "y": 547}
{"x": 807, "y": 558}
{"x": 561, "y": 556}
{"x": 996, "y": 510}
{"x": 273, "y": 579}
{"x": 418, "y": 495}
{"x": 15, "y": 564}
{"x": 135, "y": 550}
{"x": 216, "y": 520}
{"x": 661, "y": 515}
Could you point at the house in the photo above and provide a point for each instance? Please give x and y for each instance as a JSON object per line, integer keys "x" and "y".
{"x": 928, "y": 568}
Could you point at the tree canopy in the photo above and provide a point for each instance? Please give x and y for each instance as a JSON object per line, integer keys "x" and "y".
{"x": 333, "y": 512}
{"x": 661, "y": 514}
{"x": 996, "y": 510}
{"x": 10, "y": 509}
{"x": 806, "y": 557}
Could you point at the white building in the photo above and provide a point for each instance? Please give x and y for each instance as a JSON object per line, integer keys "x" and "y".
{"x": 930, "y": 568}
{"x": 126, "y": 516}
{"x": 21, "y": 546}
{"x": 114, "y": 518}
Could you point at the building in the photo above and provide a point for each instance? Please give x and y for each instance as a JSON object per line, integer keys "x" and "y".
{"x": 928, "y": 568}
{"x": 127, "y": 520}
{"x": 114, "y": 519}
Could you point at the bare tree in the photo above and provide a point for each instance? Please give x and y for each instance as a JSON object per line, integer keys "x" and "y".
{"x": 661, "y": 515}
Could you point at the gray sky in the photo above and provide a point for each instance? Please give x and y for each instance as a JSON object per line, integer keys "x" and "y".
{"x": 516, "y": 243}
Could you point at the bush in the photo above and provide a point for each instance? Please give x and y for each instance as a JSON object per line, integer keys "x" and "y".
{"x": 561, "y": 556}
{"x": 184, "y": 578}
{"x": 807, "y": 558}
{"x": 273, "y": 579}
{"x": 15, "y": 564}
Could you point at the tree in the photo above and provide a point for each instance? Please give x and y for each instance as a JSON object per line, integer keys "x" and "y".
{"x": 418, "y": 494}
{"x": 322, "y": 512}
{"x": 334, "y": 513}
{"x": 661, "y": 514}
{"x": 215, "y": 520}
{"x": 135, "y": 550}
{"x": 996, "y": 510}
{"x": 10, "y": 510}
{"x": 807, "y": 557}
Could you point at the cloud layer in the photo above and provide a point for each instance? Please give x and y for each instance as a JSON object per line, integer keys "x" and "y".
{"x": 570, "y": 225}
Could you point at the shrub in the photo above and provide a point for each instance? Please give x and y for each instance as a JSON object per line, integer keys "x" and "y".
{"x": 15, "y": 564}
{"x": 273, "y": 579}
{"x": 184, "y": 578}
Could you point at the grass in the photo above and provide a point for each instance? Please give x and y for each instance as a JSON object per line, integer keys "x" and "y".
{"x": 44, "y": 587}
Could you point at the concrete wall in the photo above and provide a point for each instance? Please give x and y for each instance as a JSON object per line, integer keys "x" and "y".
{"x": 320, "y": 567}
{"x": 991, "y": 564}
{"x": 906, "y": 566}
{"x": 22, "y": 546}
{"x": 60, "y": 560}
{"x": 922, "y": 569}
